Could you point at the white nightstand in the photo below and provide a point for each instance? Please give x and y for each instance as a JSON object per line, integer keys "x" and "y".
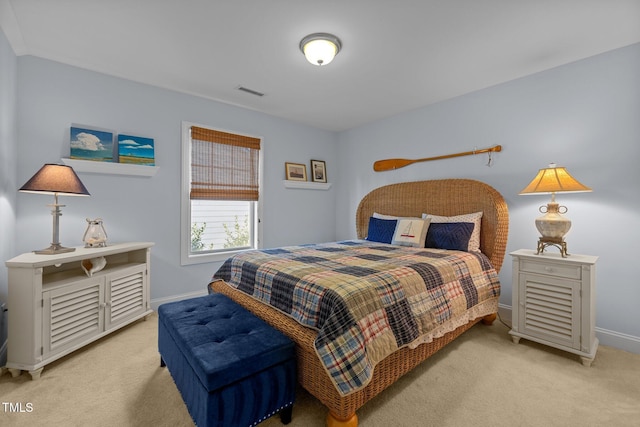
{"x": 554, "y": 301}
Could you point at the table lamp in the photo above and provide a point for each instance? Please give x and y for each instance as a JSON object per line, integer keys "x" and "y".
{"x": 552, "y": 225}
{"x": 57, "y": 180}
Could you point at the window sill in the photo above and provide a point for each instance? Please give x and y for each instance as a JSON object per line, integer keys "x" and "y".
{"x": 209, "y": 257}
{"x": 306, "y": 185}
{"x": 110, "y": 167}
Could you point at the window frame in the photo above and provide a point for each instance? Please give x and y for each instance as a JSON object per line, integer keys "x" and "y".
{"x": 186, "y": 256}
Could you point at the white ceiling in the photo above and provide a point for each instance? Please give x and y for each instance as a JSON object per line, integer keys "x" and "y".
{"x": 396, "y": 56}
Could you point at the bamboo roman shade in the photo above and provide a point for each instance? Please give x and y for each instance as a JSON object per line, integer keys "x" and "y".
{"x": 224, "y": 166}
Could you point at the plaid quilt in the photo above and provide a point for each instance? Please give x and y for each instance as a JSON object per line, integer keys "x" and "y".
{"x": 367, "y": 299}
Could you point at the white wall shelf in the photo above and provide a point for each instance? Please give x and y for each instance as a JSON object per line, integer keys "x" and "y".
{"x": 306, "y": 185}
{"x": 110, "y": 167}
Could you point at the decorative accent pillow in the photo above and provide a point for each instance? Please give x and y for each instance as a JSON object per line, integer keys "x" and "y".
{"x": 411, "y": 232}
{"x": 418, "y": 238}
{"x": 450, "y": 235}
{"x": 381, "y": 230}
{"x": 475, "y": 218}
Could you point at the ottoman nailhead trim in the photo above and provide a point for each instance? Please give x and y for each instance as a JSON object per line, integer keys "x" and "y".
{"x": 272, "y": 414}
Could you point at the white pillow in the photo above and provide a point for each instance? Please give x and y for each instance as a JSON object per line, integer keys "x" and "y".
{"x": 411, "y": 232}
{"x": 475, "y": 218}
{"x": 383, "y": 216}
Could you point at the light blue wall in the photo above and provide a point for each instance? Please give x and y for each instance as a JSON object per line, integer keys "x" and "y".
{"x": 52, "y": 96}
{"x": 8, "y": 173}
{"x": 585, "y": 116}
{"x": 8, "y": 156}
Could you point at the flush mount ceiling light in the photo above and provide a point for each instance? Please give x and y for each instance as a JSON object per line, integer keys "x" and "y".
{"x": 320, "y": 48}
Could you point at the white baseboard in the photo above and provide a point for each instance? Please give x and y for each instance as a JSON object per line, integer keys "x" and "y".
{"x": 3, "y": 335}
{"x": 155, "y": 303}
{"x": 504, "y": 311}
{"x": 618, "y": 340}
{"x": 606, "y": 337}
{"x": 3, "y": 356}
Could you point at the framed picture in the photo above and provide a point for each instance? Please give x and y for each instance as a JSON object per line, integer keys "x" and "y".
{"x": 318, "y": 171}
{"x": 136, "y": 150}
{"x": 296, "y": 171}
{"x": 88, "y": 143}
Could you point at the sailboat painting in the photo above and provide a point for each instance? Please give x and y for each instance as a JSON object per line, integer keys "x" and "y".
{"x": 411, "y": 232}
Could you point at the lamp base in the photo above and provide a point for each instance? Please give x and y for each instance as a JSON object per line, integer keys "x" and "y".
{"x": 553, "y": 224}
{"x": 545, "y": 242}
{"x": 55, "y": 248}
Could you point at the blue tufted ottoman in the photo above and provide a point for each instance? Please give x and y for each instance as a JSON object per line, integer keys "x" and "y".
{"x": 231, "y": 368}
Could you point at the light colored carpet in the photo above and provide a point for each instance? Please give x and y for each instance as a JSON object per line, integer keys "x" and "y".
{"x": 482, "y": 379}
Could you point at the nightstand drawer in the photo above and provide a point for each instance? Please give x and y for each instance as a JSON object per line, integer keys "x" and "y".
{"x": 551, "y": 269}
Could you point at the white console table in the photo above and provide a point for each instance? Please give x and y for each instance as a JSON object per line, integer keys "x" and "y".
{"x": 55, "y": 308}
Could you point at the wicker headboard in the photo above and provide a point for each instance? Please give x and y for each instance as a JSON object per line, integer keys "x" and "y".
{"x": 443, "y": 197}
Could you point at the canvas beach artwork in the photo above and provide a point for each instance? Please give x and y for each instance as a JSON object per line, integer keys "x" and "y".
{"x": 91, "y": 144}
{"x": 136, "y": 150}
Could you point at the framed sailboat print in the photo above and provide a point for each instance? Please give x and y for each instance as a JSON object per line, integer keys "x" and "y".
{"x": 295, "y": 171}
{"x": 318, "y": 171}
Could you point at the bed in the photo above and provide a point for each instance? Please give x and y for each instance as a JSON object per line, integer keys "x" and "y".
{"x": 449, "y": 197}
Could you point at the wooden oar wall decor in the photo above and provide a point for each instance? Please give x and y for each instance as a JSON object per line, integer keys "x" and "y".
{"x": 390, "y": 164}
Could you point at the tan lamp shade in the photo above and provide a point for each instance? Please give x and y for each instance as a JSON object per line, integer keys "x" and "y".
{"x": 554, "y": 180}
{"x": 553, "y": 226}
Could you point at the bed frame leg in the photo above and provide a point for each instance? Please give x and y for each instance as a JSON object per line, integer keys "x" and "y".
{"x": 349, "y": 421}
{"x": 489, "y": 319}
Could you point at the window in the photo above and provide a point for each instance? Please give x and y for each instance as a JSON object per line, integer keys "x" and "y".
{"x": 220, "y": 193}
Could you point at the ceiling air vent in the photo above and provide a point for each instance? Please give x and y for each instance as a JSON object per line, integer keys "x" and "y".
{"x": 251, "y": 91}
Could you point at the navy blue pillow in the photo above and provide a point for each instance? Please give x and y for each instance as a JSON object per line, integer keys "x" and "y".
{"x": 381, "y": 230}
{"x": 449, "y": 235}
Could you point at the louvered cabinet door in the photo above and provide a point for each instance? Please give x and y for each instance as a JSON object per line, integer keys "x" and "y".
{"x": 550, "y": 309}
{"x": 126, "y": 295}
{"x": 553, "y": 301}
{"x": 71, "y": 315}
